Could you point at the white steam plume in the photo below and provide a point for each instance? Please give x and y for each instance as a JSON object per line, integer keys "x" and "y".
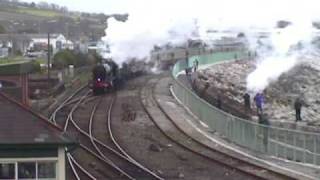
{"x": 127, "y": 40}
{"x": 159, "y": 22}
{"x": 286, "y": 46}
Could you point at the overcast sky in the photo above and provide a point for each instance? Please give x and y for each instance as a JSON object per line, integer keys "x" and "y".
{"x": 105, "y": 6}
{"x": 160, "y": 21}
{"x": 231, "y": 10}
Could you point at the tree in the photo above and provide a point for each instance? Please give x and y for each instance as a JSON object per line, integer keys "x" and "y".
{"x": 81, "y": 59}
{"x": 241, "y": 35}
{"x": 33, "y": 5}
{"x": 94, "y": 58}
{"x": 64, "y": 58}
{"x": 35, "y": 66}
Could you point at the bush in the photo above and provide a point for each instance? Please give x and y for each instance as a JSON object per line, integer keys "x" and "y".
{"x": 18, "y": 53}
{"x": 64, "y": 58}
{"x": 81, "y": 59}
{"x": 94, "y": 58}
{"x": 36, "y": 66}
{"x": 67, "y": 57}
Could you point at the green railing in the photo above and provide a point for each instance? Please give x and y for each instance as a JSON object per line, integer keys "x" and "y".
{"x": 288, "y": 144}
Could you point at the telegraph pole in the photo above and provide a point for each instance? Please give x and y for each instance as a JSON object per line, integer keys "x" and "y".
{"x": 48, "y": 58}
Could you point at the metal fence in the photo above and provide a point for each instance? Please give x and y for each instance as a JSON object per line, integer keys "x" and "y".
{"x": 288, "y": 144}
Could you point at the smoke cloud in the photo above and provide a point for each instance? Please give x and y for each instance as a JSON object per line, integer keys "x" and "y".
{"x": 159, "y": 22}
{"x": 133, "y": 40}
{"x": 282, "y": 51}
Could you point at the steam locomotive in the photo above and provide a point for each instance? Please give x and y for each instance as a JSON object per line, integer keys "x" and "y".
{"x": 108, "y": 76}
{"x": 104, "y": 77}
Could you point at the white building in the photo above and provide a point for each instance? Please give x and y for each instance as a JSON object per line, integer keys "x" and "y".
{"x": 57, "y": 42}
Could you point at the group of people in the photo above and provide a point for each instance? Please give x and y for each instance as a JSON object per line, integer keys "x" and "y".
{"x": 259, "y": 101}
{"x": 258, "y": 98}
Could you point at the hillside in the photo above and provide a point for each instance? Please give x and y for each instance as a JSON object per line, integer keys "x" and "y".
{"x": 22, "y": 17}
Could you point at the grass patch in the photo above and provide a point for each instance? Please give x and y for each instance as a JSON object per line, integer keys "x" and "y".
{"x": 12, "y": 60}
{"x": 41, "y": 60}
{"x": 39, "y": 12}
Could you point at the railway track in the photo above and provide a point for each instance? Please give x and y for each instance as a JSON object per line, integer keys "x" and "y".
{"x": 136, "y": 168}
{"x": 105, "y": 156}
{"x": 100, "y": 156}
{"x": 78, "y": 170}
{"x": 179, "y": 137}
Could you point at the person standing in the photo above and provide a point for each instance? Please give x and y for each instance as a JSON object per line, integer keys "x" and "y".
{"x": 187, "y": 71}
{"x": 297, "y": 107}
{"x": 188, "y": 75}
{"x": 195, "y": 65}
{"x": 219, "y": 102}
{"x": 246, "y": 99}
{"x": 259, "y": 100}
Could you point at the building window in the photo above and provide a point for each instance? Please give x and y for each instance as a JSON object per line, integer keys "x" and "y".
{"x": 26, "y": 170}
{"x": 23, "y": 170}
{"x": 46, "y": 170}
{"x": 7, "y": 171}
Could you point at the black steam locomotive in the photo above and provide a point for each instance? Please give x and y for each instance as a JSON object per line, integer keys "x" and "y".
{"x": 107, "y": 76}
{"x": 104, "y": 77}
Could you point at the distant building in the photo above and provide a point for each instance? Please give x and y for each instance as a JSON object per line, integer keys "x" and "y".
{"x": 13, "y": 43}
{"x": 99, "y": 47}
{"x": 33, "y": 44}
{"x": 30, "y": 146}
{"x": 39, "y": 42}
{"x": 4, "y": 52}
{"x": 92, "y": 47}
{"x": 229, "y": 44}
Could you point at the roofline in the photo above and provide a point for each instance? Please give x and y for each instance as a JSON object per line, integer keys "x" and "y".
{"x": 32, "y": 145}
{"x": 31, "y": 111}
{"x": 41, "y": 117}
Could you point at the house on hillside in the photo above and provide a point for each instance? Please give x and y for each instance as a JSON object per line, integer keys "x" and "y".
{"x": 100, "y": 47}
{"x": 39, "y": 42}
{"x": 32, "y": 44}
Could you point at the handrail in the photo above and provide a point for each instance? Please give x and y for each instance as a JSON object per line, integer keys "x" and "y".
{"x": 275, "y": 141}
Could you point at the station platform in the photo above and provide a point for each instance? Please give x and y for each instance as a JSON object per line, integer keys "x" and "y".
{"x": 191, "y": 125}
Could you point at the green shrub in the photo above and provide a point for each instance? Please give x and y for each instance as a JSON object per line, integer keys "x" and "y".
{"x": 63, "y": 58}
{"x": 36, "y": 66}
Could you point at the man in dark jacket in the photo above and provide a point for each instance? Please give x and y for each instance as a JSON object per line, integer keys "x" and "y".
{"x": 246, "y": 98}
{"x": 297, "y": 107}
